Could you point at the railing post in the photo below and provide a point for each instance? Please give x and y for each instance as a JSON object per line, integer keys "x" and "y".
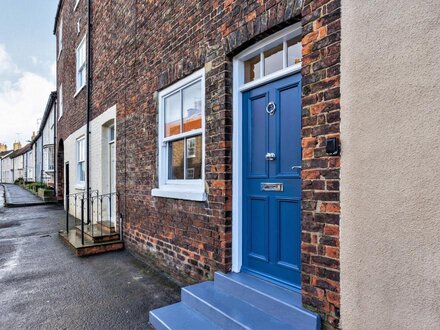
{"x": 119, "y": 215}
{"x": 82, "y": 220}
{"x": 67, "y": 213}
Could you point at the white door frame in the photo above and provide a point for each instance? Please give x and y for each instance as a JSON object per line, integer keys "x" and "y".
{"x": 238, "y": 87}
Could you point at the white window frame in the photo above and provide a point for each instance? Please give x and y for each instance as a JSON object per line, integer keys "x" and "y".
{"x": 238, "y": 87}
{"x": 79, "y": 159}
{"x": 81, "y": 67}
{"x": 60, "y": 38}
{"x": 60, "y": 101}
{"x": 76, "y": 5}
{"x": 180, "y": 189}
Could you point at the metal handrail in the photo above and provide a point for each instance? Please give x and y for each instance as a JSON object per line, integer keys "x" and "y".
{"x": 99, "y": 203}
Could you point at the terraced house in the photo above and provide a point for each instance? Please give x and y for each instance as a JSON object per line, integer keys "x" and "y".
{"x": 216, "y": 132}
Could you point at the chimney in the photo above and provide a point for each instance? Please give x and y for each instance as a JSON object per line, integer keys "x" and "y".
{"x": 3, "y": 147}
{"x": 17, "y": 145}
{"x": 33, "y": 135}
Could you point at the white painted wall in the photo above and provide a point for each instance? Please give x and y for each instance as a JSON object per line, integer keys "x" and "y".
{"x": 390, "y": 188}
{"x": 6, "y": 170}
{"x": 18, "y": 166}
{"x": 98, "y": 154}
{"x": 30, "y": 166}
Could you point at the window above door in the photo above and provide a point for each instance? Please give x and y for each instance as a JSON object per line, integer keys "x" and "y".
{"x": 274, "y": 57}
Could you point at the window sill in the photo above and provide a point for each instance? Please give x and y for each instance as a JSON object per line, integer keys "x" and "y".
{"x": 79, "y": 90}
{"x": 181, "y": 192}
{"x": 80, "y": 187}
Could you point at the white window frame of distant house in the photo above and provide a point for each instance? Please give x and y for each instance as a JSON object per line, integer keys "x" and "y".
{"x": 80, "y": 67}
{"x": 80, "y": 159}
{"x": 60, "y": 101}
{"x": 239, "y": 86}
{"x": 180, "y": 189}
{"x": 50, "y": 158}
{"x": 60, "y": 38}
{"x": 78, "y": 26}
{"x": 76, "y": 4}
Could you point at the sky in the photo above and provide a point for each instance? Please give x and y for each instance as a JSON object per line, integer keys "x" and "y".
{"x": 27, "y": 66}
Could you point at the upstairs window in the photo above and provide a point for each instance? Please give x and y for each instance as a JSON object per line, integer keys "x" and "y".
{"x": 81, "y": 65}
{"x": 81, "y": 161}
{"x": 181, "y": 138}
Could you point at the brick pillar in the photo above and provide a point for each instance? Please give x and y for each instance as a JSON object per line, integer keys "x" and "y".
{"x": 321, "y": 209}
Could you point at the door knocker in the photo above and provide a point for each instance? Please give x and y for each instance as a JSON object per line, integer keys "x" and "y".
{"x": 271, "y": 108}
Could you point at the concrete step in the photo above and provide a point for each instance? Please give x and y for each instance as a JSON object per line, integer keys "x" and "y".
{"x": 98, "y": 233}
{"x": 109, "y": 225}
{"x": 179, "y": 316}
{"x": 73, "y": 241}
{"x": 281, "y": 303}
{"x": 228, "y": 311}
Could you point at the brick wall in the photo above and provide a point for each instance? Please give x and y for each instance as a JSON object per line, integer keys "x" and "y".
{"x": 164, "y": 42}
{"x": 321, "y": 107}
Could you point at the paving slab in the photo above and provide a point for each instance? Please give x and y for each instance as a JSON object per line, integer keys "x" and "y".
{"x": 17, "y": 196}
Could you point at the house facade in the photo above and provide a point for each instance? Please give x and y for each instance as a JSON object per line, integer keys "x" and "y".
{"x": 181, "y": 202}
{"x": 47, "y": 132}
{"x": 5, "y": 168}
{"x": 219, "y": 125}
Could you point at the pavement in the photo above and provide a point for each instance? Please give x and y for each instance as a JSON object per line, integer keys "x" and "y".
{"x": 44, "y": 286}
{"x": 17, "y": 196}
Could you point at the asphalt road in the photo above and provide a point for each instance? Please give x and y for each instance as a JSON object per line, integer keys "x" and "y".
{"x": 44, "y": 286}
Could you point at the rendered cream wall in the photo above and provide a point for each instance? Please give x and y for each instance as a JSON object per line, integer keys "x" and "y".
{"x": 98, "y": 154}
{"x": 390, "y": 229}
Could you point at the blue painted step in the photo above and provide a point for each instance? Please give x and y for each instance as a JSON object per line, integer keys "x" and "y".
{"x": 236, "y": 301}
{"x": 276, "y": 301}
{"x": 227, "y": 311}
{"x": 179, "y": 316}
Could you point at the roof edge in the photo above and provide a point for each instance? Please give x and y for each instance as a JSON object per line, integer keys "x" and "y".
{"x": 57, "y": 16}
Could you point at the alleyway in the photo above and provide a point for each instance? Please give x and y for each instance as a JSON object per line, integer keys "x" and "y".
{"x": 17, "y": 196}
{"x": 43, "y": 286}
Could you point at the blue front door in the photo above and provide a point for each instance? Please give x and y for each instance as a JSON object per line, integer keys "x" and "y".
{"x": 272, "y": 181}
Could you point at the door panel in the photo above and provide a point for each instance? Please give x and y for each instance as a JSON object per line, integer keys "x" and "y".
{"x": 259, "y": 141}
{"x": 289, "y": 124}
{"x": 272, "y": 185}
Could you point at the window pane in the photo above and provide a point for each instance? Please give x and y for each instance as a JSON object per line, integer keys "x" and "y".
{"x": 252, "y": 69}
{"x": 192, "y": 107}
{"x": 176, "y": 152}
{"x": 172, "y": 115}
{"x": 273, "y": 60}
{"x": 112, "y": 133}
{"x": 81, "y": 172}
{"x": 294, "y": 50}
{"x": 194, "y": 158}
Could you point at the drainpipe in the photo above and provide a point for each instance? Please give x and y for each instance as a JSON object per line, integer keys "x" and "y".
{"x": 55, "y": 123}
{"x": 89, "y": 91}
{"x": 42, "y": 158}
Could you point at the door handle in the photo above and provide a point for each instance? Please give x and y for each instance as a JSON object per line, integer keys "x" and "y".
{"x": 296, "y": 167}
{"x": 270, "y": 156}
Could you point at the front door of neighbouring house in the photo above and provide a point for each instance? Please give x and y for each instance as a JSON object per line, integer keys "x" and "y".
{"x": 272, "y": 181}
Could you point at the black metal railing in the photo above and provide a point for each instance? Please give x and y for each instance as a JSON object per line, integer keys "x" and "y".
{"x": 103, "y": 211}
